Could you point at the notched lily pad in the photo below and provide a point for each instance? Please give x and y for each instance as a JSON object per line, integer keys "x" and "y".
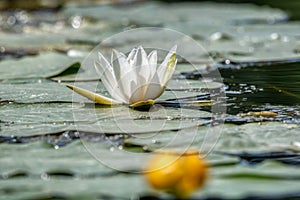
{"x": 40, "y": 66}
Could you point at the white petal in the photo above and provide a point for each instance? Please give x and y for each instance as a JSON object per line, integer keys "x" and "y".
{"x": 140, "y": 74}
{"x": 116, "y": 65}
{"x": 137, "y": 59}
{"x": 143, "y": 73}
{"x": 106, "y": 77}
{"x": 152, "y": 57}
{"x": 169, "y": 70}
{"x": 162, "y": 76}
{"x": 141, "y": 58}
{"x": 144, "y": 67}
{"x": 138, "y": 94}
{"x": 127, "y": 75}
{"x": 105, "y": 71}
{"x": 166, "y": 60}
{"x": 167, "y": 67}
{"x": 154, "y": 89}
{"x": 145, "y": 76}
{"x": 132, "y": 56}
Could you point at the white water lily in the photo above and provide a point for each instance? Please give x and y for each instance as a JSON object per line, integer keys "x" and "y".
{"x": 135, "y": 79}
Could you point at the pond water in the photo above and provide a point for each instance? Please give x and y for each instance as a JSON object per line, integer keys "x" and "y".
{"x": 258, "y": 87}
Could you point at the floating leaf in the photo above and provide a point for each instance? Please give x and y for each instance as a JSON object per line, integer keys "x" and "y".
{"x": 240, "y": 14}
{"x": 41, "y": 66}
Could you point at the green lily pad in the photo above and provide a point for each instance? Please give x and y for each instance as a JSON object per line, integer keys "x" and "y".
{"x": 35, "y": 92}
{"x": 47, "y": 168}
{"x": 41, "y": 66}
{"x": 62, "y": 38}
{"x": 252, "y": 42}
{"x": 230, "y": 13}
{"x": 38, "y": 119}
{"x": 251, "y": 137}
{"x": 32, "y": 40}
{"x": 238, "y": 182}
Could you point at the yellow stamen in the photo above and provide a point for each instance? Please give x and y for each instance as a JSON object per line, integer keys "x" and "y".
{"x": 142, "y": 105}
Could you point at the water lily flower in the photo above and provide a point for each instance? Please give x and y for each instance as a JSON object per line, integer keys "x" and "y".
{"x": 176, "y": 173}
{"x": 135, "y": 79}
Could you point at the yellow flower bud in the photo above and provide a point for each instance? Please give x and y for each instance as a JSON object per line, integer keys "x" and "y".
{"x": 179, "y": 174}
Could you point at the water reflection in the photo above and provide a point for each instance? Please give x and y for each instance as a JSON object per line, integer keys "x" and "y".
{"x": 253, "y": 87}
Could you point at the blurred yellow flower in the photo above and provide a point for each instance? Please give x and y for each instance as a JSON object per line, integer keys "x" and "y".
{"x": 179, "y": 174}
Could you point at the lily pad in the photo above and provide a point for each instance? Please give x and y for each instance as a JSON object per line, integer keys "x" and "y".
{"x": 266, "y": 179}
{"x": 31, "y": 119}
{"x": 41, "y": 66}
{"x": 35, "y": 92}
{"x": 32, "y": 40}
{"x": 251, "y": 137}
{"x": 252, "y": 42}
{"x": 59, "y": 167}
{"x": 61, "y": 37}
{"x": 230, "y": 13}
